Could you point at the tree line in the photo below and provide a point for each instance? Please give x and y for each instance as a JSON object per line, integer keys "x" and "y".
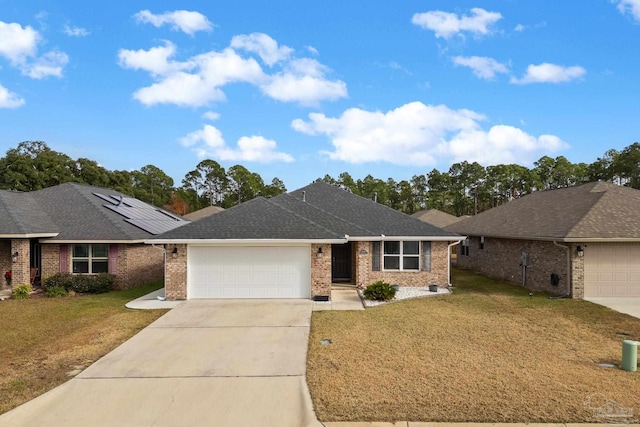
{"x": 465, "y": 189}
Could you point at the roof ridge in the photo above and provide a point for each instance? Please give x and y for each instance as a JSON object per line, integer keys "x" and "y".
{"x": 9, "y": 211}
{"x": 271, "y": 201}
{"x": 600, "y": 195}
{"x": 329, "y": 213}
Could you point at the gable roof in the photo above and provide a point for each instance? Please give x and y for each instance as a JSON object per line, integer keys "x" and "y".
{"x": 317, "y": 212}
{"x": 437, "y": 217}
{"x": 202, "y": 213}
{"x": 75, "y": 212}
{"x": 597, "y": 211}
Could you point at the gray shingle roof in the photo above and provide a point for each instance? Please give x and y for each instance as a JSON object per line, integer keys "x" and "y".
{"x": 74, "y": 212}
{"x": 437, "y": 217}
{"x": 317, "y": 211}
{"x": 203, "y": 213}
{"x": 594, "y": 211}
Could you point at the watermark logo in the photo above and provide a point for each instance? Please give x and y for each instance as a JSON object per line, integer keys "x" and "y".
{"x": 608, "y": 411}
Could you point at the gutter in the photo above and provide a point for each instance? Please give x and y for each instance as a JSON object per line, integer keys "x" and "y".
{"x": 449, "y": 260}
{"x": 569, "y": 275}
{"x": 264, "y": 242}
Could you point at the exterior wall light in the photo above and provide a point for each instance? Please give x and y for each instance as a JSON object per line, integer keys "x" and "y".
{"x": 319, "y": 254}
{"x": 580, "y": 251}
{"x": 14, "y": 256}
{"x": 174, "y": 252}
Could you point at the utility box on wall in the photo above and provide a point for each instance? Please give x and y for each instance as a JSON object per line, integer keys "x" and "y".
{"x": 524, "y": 259}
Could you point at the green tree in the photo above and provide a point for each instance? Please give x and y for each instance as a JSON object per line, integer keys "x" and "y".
{"x": 152, "y": 185}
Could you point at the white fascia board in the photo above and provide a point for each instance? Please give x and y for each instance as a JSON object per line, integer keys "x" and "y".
{"x": 602, "y": 240}
{"x": 27, "y": 235}
{"x": 384, "y": 238}
{"x": 232, "y": 242}
{"x": 50, "y": 241}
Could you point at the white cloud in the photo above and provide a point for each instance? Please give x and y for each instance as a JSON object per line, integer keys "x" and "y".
{"x": 262, "y": 45}
{"x": 155, "y": 60}
{"x": 312, "y": 50}
{"x": 483, "y": 67}
{"x": 631, "y": 7}
{"x": 199, "y": 80}
{"x": 208, "y": 142}
{"x": 9, "y": 99}
{"x": 520, "y": 28}
{"x": 446, "y": 25}
{"x": 18, "y": 43}
{"x": 20, "y": 46}
{"x": 211, "y": 116}
{"x": 180, "y": 20}
{"x": 75, "y": 31}
{"x": 550, "y": 73}
{"x": 418, "y": 134}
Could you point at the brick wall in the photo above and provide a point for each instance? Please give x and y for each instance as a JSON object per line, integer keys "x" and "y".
{"x": 577, "y": 272}
{"x": 176, "y": 273}
{"x": 49, "y": 260}
{"x": 321, "y": 270}
{"x": 138, "y": 264}
{"x": 438, "y": 274}
{"x": 501, "y": 258}
{"x": 21, "y": 270}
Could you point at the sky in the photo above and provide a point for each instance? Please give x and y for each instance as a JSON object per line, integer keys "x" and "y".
{"x": 297, "y": 90}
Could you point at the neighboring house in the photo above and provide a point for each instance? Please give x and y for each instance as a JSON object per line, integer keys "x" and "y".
{"x": 203, "y": 213}
{"x": 437, "y": 217}
{"x": 580, "y": 241}
{"x": 296, "y": 245}
{"x": 74, "y": 228}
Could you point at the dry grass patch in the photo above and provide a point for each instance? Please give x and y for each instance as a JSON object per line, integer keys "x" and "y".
{"x": 44, "y": 340}
{"x": 487, "y": 353}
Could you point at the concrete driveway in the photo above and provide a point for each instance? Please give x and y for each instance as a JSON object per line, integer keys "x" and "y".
{"x": 626, "y": 305}
{"x": 213, "y": 362}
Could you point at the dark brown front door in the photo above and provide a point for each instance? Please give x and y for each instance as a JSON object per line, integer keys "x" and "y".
{"x": 341, "y": 263}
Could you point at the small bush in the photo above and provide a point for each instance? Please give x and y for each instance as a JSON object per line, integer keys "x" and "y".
{"x": 22, "y": 291}
{"x": 81, "y": 283}
{"x": 55, "y": 292}
{"x": 379, "y": 291}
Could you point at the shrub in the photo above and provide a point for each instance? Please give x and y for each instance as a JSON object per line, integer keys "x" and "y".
{"x": 55, "y": 292}
{"x": 379, "y": 291}
{"x": 22, "y": 291}
{"x": 81, "y": 283}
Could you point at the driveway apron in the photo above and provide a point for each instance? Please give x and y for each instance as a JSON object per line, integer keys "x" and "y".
{"x": 204, "y": 363}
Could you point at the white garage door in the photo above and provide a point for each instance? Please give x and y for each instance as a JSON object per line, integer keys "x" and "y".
{"x": 249, "y": 272}
{"x": 612, "y": 270}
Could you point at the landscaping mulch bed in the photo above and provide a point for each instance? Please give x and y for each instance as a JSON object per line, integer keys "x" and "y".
{"x": 487, "y": 353}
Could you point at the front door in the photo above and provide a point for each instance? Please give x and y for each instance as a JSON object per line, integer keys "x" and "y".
{"x": 341, "y": 263}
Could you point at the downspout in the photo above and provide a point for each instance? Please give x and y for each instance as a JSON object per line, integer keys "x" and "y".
{"x": 569, "y": 278}
{"x": 164, "y": 265}
{"x": 449, "y": 261}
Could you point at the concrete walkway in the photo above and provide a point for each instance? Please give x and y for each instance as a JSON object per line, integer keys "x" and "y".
{"x": 152, "y": 301}
{"x": 341, "y": 299}
{"x": 207, "y": 362}
{"x": 626, "y": 305}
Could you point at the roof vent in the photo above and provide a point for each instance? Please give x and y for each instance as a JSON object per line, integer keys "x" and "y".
{"x": 304, "y": 196}
{"x": 375, "y": 197}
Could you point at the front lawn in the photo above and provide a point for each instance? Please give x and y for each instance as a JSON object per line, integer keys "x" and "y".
{"x": 44, "y": 340}
{"x": 487, "y": 353}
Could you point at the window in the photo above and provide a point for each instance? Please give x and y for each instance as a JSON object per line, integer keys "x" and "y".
{"x": 464, "y": 248}
{"x": 375, "y": 256}
{"x": 426, "y": 256}
{"x": 401, "y": 255}
{"x": 90, "y": 259}
{"x": 481, "y": 242}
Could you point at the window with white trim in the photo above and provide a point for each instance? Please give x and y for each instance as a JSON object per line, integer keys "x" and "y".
{"x": 90, "y": 258}
{"x": 464, "y": 247}
{"x": 401, "y": 255}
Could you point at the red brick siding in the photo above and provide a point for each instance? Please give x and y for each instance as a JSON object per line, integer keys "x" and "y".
{"x": 176, "y": 273}
{"x": 321, "y": 270}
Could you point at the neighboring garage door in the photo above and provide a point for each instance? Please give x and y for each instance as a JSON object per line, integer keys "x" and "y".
{"x": 612, "y": 270}
{"x": 249, "y": 272}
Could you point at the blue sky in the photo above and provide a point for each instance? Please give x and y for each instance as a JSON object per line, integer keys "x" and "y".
{"x": 298, "y": 90}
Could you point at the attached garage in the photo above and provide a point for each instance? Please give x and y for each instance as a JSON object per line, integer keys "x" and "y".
{"x": 249, "y": 272}
{"x": 612, "y": 270}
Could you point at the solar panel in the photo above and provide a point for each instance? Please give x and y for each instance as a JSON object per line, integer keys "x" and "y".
{"x": 144, "y": 216}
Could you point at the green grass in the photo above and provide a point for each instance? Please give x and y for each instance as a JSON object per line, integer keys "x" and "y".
{"x": 43, "y": 339}
{"x": 487, "y": 353}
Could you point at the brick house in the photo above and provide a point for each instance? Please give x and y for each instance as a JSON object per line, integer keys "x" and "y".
{"x": 296, "y": 245}
{"x": 79, "y": 229}
{"x": 580, "y": 241}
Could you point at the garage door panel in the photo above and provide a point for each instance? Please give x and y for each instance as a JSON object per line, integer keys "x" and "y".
{"x": 612, "y": 270}
{"x": 249, "y": 272}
